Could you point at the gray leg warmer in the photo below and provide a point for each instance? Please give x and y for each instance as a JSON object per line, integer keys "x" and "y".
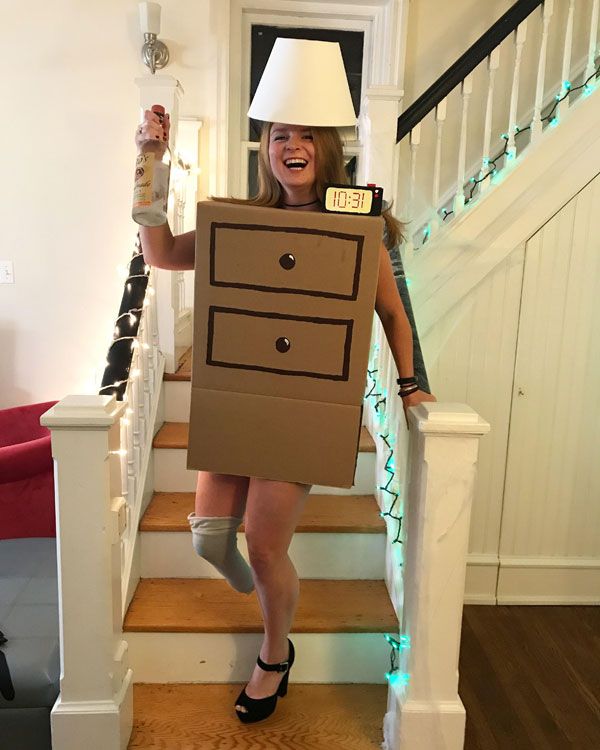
{"x": 214, "y": 539}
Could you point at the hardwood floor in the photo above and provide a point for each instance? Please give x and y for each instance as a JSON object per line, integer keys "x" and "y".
{"x": 530, "y": 677}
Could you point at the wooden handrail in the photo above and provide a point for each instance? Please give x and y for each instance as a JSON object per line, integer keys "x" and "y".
{"x": 464, "y": 65}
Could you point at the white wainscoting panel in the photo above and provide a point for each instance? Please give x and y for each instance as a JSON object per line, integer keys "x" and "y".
{"x": 552, "y": 498}
{"x": 470, "y": 358}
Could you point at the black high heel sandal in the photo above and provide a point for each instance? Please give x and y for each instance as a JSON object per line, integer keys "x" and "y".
{"x": 260, "y": 708}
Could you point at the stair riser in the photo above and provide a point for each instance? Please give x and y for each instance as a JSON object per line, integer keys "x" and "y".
{"x": 177, "y": 395}
{"x": 171, "y": 474}
{"x": 230, "y": 657}
{"x": 340, "y": 556}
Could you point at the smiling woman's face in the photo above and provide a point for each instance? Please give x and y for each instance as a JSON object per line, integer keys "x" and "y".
{"x": 292, "y": 158}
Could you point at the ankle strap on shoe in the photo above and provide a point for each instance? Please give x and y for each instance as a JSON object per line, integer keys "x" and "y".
{"x": 281, "y": 667}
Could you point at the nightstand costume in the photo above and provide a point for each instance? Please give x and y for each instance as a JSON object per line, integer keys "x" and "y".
{"x": 283, "y": 310}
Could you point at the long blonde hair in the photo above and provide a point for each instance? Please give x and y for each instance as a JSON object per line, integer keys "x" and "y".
{"x": 329, "y": 168}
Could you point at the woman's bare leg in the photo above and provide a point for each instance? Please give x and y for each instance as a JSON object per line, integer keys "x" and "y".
{"x": 272, "y": 513}
{"x": 220, "y": 494}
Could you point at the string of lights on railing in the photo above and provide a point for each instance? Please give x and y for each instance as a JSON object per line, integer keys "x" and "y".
{"x": 125, "y": 341}
{"x": 378, "y": 393}
{"x": 550, "y": 118}
{"x": 394, "y": 675}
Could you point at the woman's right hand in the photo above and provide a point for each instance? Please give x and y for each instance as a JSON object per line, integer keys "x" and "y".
{"x": 151, "y": 129}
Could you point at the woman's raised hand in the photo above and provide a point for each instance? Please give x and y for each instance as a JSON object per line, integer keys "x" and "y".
{"x": 414, "y": 399}
{"x": 151, "y": 129}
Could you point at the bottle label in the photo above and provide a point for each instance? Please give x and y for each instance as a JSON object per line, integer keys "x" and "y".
{"x": 144, "y": 175}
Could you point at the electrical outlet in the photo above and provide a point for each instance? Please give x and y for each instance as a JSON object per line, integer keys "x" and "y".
{"x": 6, "y": 272}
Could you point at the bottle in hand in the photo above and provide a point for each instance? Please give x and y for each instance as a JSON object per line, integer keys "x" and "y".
{"x": 152, "y": 172}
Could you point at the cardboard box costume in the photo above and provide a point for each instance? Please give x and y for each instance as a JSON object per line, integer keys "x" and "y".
{"x": 283, "y": 311}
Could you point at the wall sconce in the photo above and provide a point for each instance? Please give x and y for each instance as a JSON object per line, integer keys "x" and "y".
{"x": 154, "y": 52}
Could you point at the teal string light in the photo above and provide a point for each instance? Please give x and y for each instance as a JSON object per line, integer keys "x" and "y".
{"x": 379, "y": 395}
{"x": 394, "y": 676}
{"x": 550, "y": 118}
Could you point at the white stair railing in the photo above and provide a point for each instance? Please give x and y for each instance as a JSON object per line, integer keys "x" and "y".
{"x": 425, "y": 483}
{"x": 101, "y": 449}
{"x": 521, "y": 101}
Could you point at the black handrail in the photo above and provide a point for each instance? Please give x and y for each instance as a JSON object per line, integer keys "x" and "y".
{"x": 464, "y": 65}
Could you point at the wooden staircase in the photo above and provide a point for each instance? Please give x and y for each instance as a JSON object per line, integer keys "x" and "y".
{"x": 193, "y": 640}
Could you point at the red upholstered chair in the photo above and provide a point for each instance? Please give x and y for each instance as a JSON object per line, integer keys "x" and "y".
{"x": 26, "y": 474}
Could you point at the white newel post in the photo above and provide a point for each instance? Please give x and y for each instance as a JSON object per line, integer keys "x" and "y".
{"x": 377, "y": 125}
{"x": 424, "y": 709}
{"x": 94, "y": 709}
{"x": 167, "y": 91}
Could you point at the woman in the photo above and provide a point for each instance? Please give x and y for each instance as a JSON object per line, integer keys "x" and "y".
{"x": 294, "y": 164}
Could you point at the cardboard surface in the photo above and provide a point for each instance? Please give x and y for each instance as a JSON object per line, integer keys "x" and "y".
{"x": 283, "y": 310}
{"x": 254, "y": 430}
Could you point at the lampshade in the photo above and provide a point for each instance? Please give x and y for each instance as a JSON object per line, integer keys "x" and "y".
{"x": 149, "y": 18}
{"x": 304, "y": 83}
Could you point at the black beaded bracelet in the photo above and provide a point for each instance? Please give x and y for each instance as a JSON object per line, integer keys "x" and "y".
{"x": 406, "y": 391}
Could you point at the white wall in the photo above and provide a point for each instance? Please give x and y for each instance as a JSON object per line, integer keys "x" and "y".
{"x": 71, "y": 106}
{"x": 439, "y": 33}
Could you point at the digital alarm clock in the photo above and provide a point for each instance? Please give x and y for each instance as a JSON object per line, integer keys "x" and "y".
{"x": 354, "y": 199}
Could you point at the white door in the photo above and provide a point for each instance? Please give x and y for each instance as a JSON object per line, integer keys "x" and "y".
{"x": 550, "y": 530}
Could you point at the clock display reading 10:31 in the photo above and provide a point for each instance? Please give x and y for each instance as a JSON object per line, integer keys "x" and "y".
{"x": 353, "y": 199}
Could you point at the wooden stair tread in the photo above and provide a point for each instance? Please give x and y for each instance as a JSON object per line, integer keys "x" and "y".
{"x": 209, "y": 605}
{"x": 184, "y": 367}
{"x": 201, "y": 716}
{"x": 347, "y": 514}
{"x": 175, "y": 435}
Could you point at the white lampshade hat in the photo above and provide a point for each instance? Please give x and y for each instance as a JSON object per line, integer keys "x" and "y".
{"x": 304, "y": 83}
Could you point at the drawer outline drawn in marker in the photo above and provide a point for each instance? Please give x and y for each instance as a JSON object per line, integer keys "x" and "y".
{"x": 352, "y": 242}
{"x": 343, "y": 373}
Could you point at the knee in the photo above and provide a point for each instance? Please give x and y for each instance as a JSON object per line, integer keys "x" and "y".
{"x": 214, "y": 538}
{"x": 263, "y": 557}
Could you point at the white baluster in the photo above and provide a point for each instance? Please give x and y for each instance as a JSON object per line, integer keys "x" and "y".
{"x": 591, "y": 64}
{"x": 563, "y": 106}
{"x": 146, "y": 379}
{"x": 141, "y": 414}
{"x": 492, "y": 66}
{"x": 147, "y": 351}
{"x": 414, "y": 140}
{"x": 536, "y": 123}
{"x": 520, "y": 36}
{"x": 440, "y": 117}
{"x": 131, "y": 470}
{"x": 153, "y": 327}
{"x": 459, "y": 198}
{"x": 135, "y": 424}
{"x": 181, "y": 284}
{"x": 149, "y": 312}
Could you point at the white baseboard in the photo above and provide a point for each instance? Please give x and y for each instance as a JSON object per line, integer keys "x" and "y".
{"x": 532, "y": 580}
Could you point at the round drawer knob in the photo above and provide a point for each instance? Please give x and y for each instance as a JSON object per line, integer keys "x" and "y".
{"x": 287, "y": 261}
{"x": 282, "y": 344}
